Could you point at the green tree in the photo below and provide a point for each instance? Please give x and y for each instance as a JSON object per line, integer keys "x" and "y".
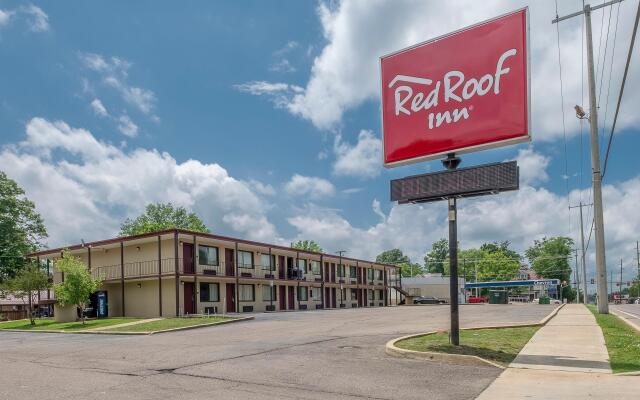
{"x": 21, "y": 228}
{"x": 308, "y": 245}
{"x": 434, "y": 260}
{"x": 29, "y": 281}
{"x": 393, "y": 256}
{"x": 161, "y": 216}
{"x": 497, "y": 266}
{"x": 549, "y": 257}
{"x": 492, "y": 247}
{"x": 78, "y": 284}
{"x": 468, "y": 259}
{"x": 396, "y": 257}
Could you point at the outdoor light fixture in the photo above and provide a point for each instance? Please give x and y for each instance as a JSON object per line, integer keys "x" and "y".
{"x": 139, "y": 285}
{"x": 580, "y": 113}
{"x": 138, "y": 248}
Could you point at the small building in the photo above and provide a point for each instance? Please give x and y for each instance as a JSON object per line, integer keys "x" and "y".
{"x": 435, "y": 285}
{"x": 179, "y": 272}
{"x": 12, "y": 307}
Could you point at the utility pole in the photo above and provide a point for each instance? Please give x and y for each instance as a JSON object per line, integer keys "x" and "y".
{"x": 601, "y": 266}
{"x": 620, "y": 287}
{"x": 582, "y": 252}
{"x": 578, "y": 281}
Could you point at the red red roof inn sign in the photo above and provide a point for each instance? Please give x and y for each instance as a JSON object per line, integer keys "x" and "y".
{"x": 462, "y": 92}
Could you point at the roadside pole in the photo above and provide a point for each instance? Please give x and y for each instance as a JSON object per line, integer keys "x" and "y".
{"x": 451, "y": 163}
{"x": 601, "y": 266}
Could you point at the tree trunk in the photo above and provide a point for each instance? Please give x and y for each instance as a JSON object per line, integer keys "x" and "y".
{"x": 33, "y": 322}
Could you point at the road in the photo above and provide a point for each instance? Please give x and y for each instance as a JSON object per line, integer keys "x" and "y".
{"x": 628, "y": 311}
{"x": 331, "y": 354}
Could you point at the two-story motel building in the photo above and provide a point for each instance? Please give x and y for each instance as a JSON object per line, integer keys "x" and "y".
{"x": 178, "y": 272}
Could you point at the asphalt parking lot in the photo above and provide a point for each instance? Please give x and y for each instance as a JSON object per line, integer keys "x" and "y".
{"x": 331, "y": 354}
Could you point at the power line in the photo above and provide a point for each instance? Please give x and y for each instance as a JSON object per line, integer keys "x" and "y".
{"x": 624, "y": 79}
{"x": 613, "y": 52}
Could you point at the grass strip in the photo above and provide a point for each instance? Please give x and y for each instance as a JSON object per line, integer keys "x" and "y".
{"x": 500, "y": 345}
{"x": 169, "y": 323}
{"x": 51, "y": 324}
{"x": 623, "y": 342}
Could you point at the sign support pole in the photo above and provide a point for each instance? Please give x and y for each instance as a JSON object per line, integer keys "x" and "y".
{"x": 451, "y": 163}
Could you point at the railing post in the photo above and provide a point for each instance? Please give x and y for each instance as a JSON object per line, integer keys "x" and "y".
{"x": 237, "y": 279}
{"x": 196, "y": 288}
{"x": 122, "y": 277}
{"x": 159, "y": 276}
{"x": 175, "y": 245}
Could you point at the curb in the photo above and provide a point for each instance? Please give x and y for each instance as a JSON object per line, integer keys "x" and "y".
{"x": 460, "y": 359}
{"x": 124, "y": 333}
{"x": 630, "y": 323}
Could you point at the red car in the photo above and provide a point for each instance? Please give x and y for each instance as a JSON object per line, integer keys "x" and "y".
{"x": 478, "y": 299}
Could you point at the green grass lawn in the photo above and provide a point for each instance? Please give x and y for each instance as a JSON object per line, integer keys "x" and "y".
{"x": 51, "y": 324}
{"x": 169, "y": 323}
{"x": 623, "y": 342}
{"x": 500, "y": 345}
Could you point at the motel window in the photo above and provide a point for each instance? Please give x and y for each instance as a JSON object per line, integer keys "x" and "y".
{"x": 269, "y": 293}
{"x": 380, "y": 277}
{"x": 315, "y": 267}
{"x": 370, "y": 294}
{"x": 353, "y": 273}
{"x": 354, "y": 295}
{"x": 245, "y": 259}
{"x": 303, "y": 293}
{"x": 247, "y": 292}
{"x": 369, "y": 274}
{"x": 302, "y": 265}
{"x": 341, "y": 271}
{"x": 316, "y": 293}
{"x": 209, "y": 292}
{"x": 264, "y": 261}
{"x": 381, "y": 294}
{"x": 208, "y": 255}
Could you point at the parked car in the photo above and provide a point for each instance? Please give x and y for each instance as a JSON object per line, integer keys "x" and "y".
{"x": 478, "y": 299}
{"x": 428, "y": 300}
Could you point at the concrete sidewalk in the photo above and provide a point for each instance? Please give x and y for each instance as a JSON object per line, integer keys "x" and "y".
{"x": 565, "y": 359}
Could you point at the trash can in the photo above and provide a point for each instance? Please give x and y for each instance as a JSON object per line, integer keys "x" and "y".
{"x": 497, "y": 297}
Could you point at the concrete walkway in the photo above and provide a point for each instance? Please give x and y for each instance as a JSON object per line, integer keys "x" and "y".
{"x": 142, "y": 321}
{"x": 565, "y": 359}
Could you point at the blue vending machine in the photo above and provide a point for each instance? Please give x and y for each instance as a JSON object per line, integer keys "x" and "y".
{"x": 103, "y": 305}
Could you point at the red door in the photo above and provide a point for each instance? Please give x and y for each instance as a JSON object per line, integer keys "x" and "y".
{"x": 189, "y": 299}
{"x": 327, "y": 298}
{"x": 283, "y": 297}
{"x": 282, "y": 268}
{"x": 187, "y": 258}
{"x": 231, "y": 297}
{"x": 292, "y": 301}
{"x": 230, "y": 266}
{"x": 333, "y": 272}
{"x": 359, "y": 297}
{"x": 333, "y": 297}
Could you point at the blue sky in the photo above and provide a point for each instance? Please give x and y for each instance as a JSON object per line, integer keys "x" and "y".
{"x": 264, "y": 118}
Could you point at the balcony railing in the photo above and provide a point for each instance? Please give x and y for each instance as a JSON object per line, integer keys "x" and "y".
{"x": 167, "y": 266}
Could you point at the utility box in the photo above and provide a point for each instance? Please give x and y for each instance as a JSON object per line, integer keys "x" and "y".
{"x": 497, "y": 297}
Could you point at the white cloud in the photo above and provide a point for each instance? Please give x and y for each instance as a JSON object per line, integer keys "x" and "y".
{"x": 5, "y": 17}
{"x": 361, "y": 160}
{"x": 346, "y": 74}
{"x": 114, "y": 72}
{"x": 520, "y": 217}
{"x": 37, "y": 19}
{"x": 278, "y": 93}
{"x": 261, "y": 188}
{"x": 99, "y": 108}
{"x": 281, "y": 63}
{"x": 533, "y": 166}
{"x": 313, "y": 187}
{"x": 127, "y": 127}
{"x": 91, "y": 186}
